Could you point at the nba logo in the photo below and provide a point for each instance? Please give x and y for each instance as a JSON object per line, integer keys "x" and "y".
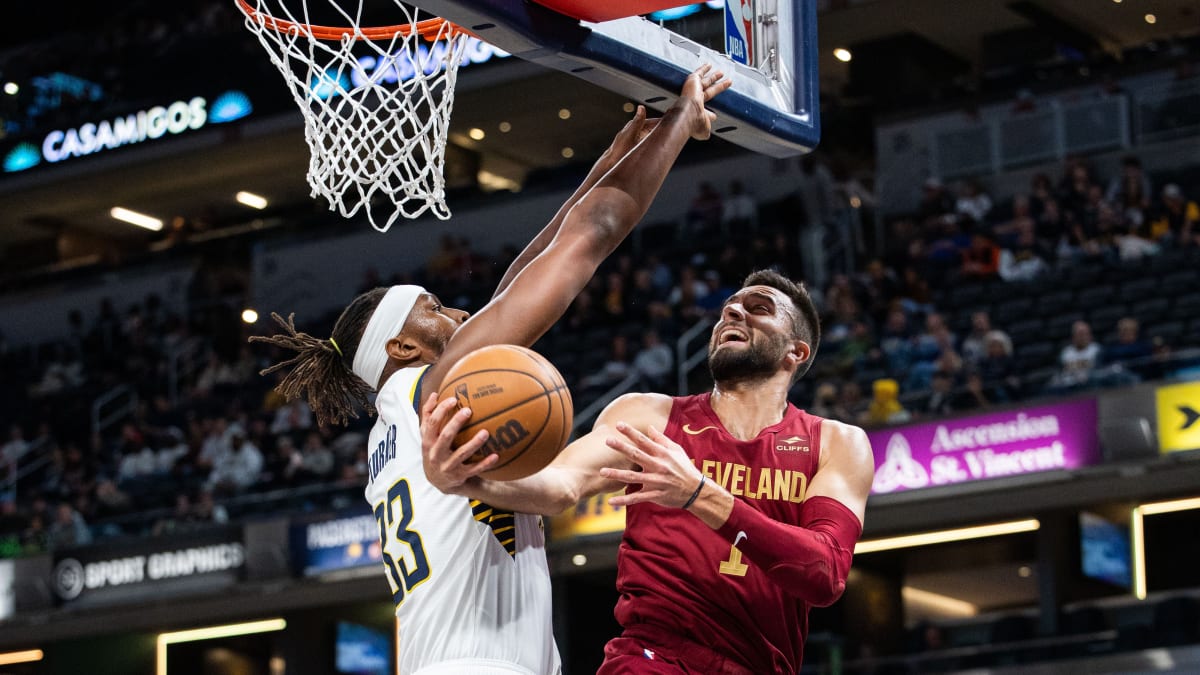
{"x": 739, "y": 31}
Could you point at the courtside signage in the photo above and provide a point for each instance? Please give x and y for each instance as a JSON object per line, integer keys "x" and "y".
{"x": 1178, "y": 417}
{"x": 996, "y": 445}
{"x": 104, "y": 574}
{"x": 334, "y": 544}
{"x": 590, "y": 517}
{"x": 150, "y": 124}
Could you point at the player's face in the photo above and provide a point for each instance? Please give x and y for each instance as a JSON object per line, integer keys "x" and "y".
{"x": 434, "y": 324}
{"x": 753, "y": 336}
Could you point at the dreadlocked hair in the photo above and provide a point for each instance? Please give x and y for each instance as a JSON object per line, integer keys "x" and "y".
{"x": 321, "y": 372}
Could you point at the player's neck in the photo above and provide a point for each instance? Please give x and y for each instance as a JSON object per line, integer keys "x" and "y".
{"x": 748, "y": 407}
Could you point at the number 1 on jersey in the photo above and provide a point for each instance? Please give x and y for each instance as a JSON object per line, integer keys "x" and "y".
{"x": 734, "y": 566}
{"x": 395, "y": 537}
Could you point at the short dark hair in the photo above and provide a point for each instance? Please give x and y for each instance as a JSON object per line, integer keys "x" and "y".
{"x": 806, "y": 321}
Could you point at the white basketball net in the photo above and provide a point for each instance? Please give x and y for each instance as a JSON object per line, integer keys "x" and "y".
{"x": 376, "y": 111}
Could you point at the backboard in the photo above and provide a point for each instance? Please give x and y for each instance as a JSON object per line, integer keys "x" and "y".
{"x": 770, "y": 54}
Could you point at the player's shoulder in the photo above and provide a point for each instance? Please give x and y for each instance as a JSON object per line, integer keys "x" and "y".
{"x": 646, "y": 408}
{"x": 845, "y": 439}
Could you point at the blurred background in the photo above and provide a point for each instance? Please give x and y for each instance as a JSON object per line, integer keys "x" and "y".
{"x": 1000, "y": 225}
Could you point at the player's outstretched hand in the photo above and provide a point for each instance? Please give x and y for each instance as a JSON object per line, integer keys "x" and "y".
{"x": 668, "y": 477}
{"x": 700, "y": 87}
{"x": 445, "y": 465}
{"x": 630, "y": 135}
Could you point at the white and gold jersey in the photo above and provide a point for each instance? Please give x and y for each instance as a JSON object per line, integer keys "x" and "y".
{"x": 470, "y": 583}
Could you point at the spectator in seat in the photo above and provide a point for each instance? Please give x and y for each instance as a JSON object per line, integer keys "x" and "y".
{"x": 973, "y": 202}
{"x": 982, "y": 259}
{"x": 295, "y": 415}
{"x": 317, "y": 460}
{"x": 1178, "y": 220}
{"x": 614, "y": 370}
{"x": 1130, "y": 192}
{"x": 238, "y": 468}
{"x": 1078, "y": 360}
{"x": 704, "y": 213}
{"x": 654, "y": 362}
{"x": 68, "y": 528}
{"x": 824, "y": 402}
{"x": 1024, "y": 261}
{"x": 973, "y": 348}
{"x": 998, "y": 369}
{"x": 740, "y": 209}
{"x": 885, "y": 407}
{"x": 1129, "y": 345}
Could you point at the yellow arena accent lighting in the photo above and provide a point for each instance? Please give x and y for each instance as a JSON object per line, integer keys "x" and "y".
{"x": 27, "y": 656}
{"x": 943, "y": 603}
{"x": 212, "y": 633}
{"x": 1137, "y": 535}
{"x": 945, "y": 536}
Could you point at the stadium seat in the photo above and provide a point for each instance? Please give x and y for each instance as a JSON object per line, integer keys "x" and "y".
{"x": 1059, "y": 327}
{"x": 1104, "y": 319}
{"x": 1052, "y": 303}
{"x": 1150, "y": 310}
{"x": 1031, "y": 357}
{"x": 1009, "y": 311}
{"x": 1095, "y": 296}
{"x": 1138, "y": 290}
{"x": 1187, "y": 305}
{"x": 1171, "y": 332}
{"x": 1027, "y": 331}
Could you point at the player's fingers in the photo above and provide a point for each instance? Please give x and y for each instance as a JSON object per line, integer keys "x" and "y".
{"x": 638, "y": 497}
{"x": 482, "y": 466}
{"x": 430, "y": 405}
{"x": 628, "y": 449}
{"x": 624, "y": 475}
{"x": 642, "y": 440}
{"x": 463, "y": 452}
{"x": 702, "y": 71}
{"x": 453, "y": 426}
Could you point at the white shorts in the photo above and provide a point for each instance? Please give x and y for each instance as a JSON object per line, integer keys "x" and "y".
{"x": 477, "y": 667}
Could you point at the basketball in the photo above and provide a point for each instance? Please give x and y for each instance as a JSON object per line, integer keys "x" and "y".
{"x": 522, "y": 401}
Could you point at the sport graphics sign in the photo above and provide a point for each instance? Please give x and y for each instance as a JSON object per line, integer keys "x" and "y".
{"x": 182, "y": 564}
{"x": 1015, "y": 442}
{"x": 348, "y": 541}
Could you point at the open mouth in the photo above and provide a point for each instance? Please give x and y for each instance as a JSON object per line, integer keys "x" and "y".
{"x": 731, "y": 335}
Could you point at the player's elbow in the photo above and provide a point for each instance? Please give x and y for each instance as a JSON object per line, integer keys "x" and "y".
{"x": 816, "y": 583}
{"x": 601, "y": 221}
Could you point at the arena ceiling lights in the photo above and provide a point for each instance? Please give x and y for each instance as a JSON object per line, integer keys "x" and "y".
{"x": 211, "y": 633}
{"x": 1137, "y": 535}
{"x": 946, "y": 536}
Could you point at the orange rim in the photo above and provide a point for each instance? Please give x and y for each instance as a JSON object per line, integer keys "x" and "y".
{"x": 429, "y": 29}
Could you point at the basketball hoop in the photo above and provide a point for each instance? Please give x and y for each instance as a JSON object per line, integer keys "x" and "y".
{"x": 376, "y": 103}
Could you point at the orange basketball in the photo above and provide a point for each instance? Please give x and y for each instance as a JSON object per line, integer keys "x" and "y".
{"x": 522, "y": 401}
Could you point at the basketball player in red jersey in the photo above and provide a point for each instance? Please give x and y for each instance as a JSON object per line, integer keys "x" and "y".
{"x": 743, "y": 511}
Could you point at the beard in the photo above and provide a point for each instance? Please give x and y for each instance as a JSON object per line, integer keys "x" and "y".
{"x": 757, "y": 362}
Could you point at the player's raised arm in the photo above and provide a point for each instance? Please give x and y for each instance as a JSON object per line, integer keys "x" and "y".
{"x": 573, "y": 476}
{"x": 626, "y": 139}
{"x": 592, "y": 228}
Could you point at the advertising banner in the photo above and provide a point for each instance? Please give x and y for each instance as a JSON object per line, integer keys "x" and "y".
{"x": 335, "y": 543}
{"x": 589, "y": 517}
{"x": 1178, "y": 417}
{"x": 994, "y": 445}
{"x": 191, "y": 563}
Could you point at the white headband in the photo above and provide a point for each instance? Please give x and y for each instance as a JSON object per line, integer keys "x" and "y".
{"x": 386, "y": 322}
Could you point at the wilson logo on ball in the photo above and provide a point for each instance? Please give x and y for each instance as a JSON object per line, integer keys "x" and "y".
{"x": 505, "y": 436}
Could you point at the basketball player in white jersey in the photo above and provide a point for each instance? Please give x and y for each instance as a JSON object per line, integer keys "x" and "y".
{"x": 470, "y": 583}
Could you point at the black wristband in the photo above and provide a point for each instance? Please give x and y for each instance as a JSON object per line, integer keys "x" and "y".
{"x": 695, "y": 494}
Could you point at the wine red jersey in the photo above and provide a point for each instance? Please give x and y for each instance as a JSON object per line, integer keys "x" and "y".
{"x": 677, "y": 575}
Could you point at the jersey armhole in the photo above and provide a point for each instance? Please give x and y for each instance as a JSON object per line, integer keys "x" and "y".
{"x": 416, "y": 392}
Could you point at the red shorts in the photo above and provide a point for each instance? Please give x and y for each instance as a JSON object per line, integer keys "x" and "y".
{"x": 646, "y": 651}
